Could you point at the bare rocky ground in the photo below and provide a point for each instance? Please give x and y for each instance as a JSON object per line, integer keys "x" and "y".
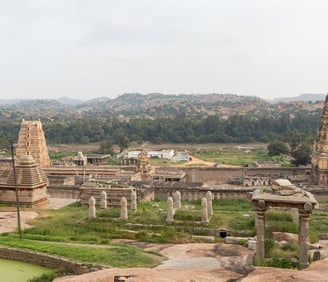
{"x": 201, "y": 262}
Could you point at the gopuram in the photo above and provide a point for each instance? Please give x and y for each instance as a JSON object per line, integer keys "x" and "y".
{"x": 31, "y": 141}
{"x": 320, "y": 152}
{"x": 143, "y": 165}
{"x": 283, "y": 194}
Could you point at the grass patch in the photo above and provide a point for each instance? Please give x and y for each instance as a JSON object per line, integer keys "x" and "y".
{"x": 115, "y": 255}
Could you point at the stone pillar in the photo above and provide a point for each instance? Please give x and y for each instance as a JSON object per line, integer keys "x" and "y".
{"x": 204, "y": 211}
{"x": 170, "y": 210}
{"x": 209, "y": 202}
{"x": 103, "y": 200}
{"x": 124, "y": 209}
{"x": 295, "y": 215}
{"x": 134, "y": 201}
{"x": 304, "y": 216}
{"x": 177, "y": 200}
{"x": 92, "y": 208}
{"x": 260, "y": 231}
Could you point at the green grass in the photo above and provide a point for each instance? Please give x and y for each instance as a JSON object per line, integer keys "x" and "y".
{"x": 71, "y": 225}
{"x": 233, "y": 156}
{"x": 114, "y": 255}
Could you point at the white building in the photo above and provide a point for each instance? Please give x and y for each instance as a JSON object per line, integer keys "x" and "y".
{"x": 163, "y": 154}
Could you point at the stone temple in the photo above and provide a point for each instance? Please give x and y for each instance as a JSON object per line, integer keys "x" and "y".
{"x": 31, "y": 141}
{"x": 320, "y": 152}
{"x": 31, "y": 183}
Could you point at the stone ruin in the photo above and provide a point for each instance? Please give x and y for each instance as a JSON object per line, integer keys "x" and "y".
{"x": 31, "y": 183}
{"x": 283, "y": 194}
{"x": 113, "y": 194}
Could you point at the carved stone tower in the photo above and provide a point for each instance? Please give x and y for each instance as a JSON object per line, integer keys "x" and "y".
{"x": 144, "y": 166}
{"x": 31, "y": 141}
{"x": 320, "y": 153}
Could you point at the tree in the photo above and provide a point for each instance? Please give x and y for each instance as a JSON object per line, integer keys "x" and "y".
{"x": 302, "y": 154}
{"x": 277, "y": 148}
{"x": 301, "y": 147}
{"x": 106, "y": 146}
{"x": 121, "y": 140}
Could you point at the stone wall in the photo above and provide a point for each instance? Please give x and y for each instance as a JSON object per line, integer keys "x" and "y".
{"x": 191, "y": 193}
{"x": 42, "y": 259}
{"x": 64, "y": 191}
{"x": 224, "y": 175}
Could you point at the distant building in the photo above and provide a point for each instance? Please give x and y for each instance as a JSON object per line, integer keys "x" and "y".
{"x": 181, "y": 157}
{"x": 163, "y": 154}
{"x": 80, "y": 160}
{"x": 97, "y": 159}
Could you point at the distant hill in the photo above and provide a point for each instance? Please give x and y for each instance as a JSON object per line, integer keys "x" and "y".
{"x": 69, "y": 101}
{"x": 302, "y": 97}
{"x": 158, "y": 105}
{"x": 10, "y": 101}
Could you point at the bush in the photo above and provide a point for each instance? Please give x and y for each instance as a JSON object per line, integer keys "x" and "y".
{"x": 277, "y": 147}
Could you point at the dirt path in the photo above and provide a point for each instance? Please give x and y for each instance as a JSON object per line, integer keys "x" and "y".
{"x": 196, "y": 161}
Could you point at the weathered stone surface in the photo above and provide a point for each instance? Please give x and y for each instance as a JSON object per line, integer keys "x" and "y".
{"x": 284, "y": 236}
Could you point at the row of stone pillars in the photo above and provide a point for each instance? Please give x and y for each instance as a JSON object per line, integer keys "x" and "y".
{"x": 176, "y": 204}
{"x": 103, "y": 205}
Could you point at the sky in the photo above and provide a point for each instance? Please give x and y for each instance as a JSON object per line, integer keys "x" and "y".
{"x": 87, "y": 49}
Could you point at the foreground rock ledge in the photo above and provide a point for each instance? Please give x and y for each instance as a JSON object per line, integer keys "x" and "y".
{"x": 317, "y": 271}
{"x": 151, "y": 275}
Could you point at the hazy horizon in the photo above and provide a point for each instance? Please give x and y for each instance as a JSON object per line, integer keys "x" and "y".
{"x": 83, "y": 50}
{"x": 83, "y": 100}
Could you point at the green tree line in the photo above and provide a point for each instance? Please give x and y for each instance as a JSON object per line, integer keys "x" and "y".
{"x": 178, "y": 129}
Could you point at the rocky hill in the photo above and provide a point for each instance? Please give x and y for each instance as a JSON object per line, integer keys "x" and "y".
{"x": 155, "y": 105}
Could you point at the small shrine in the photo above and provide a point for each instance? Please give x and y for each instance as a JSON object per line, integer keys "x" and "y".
{"x": 284, "y": 194}
{"x": 31, "y": 183}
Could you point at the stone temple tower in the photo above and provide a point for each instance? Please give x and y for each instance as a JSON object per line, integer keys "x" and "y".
{"x": 144, "y": 166}
{"x": 320, "y": 152}
{"x": 31, "y": 141}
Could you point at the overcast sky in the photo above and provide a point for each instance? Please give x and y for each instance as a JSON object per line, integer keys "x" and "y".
{"x": 86, "y": 49}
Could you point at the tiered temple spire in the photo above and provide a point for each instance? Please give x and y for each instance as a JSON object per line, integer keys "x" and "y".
{"x": 320, "y": 152}
{"x": 31, "y": 141}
